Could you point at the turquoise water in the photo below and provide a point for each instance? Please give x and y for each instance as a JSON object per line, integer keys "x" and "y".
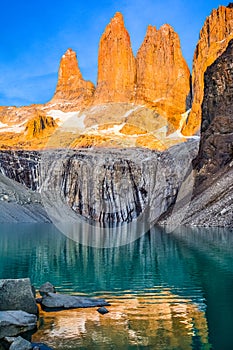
{"x": 167, "y": 290}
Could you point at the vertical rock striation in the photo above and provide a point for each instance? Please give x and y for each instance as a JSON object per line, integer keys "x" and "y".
{"x": 116, "y": 64}
{"x": 21, "y": 166}
{"x": 214, "y": 38}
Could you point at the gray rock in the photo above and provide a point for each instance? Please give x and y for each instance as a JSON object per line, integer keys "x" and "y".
{"x": 63, "y": 301}
{"x": 22, "y": 167}
{"x": 20, "y": 344}
{"x": 47, "y": 288}
{"x": 16, "y": 294}
{"x": 215, "y": 150}
{"x": 10, "y": 340}
{"x": 38, "y": 300}
{"x": 102, "y": 310}
{"x": 40, "y": 346}
{"x": 16, "y": 322}
{"x": 113, "y": 186}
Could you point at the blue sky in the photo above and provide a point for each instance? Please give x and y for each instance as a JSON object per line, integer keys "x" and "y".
{"x": 35, "y": 34}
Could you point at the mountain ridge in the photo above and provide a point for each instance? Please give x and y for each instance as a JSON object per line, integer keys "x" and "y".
{"x": 157, "y": 78}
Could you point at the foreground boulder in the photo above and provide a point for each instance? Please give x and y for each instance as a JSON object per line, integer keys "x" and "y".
{"x": 19, "y": 343}
{"x": 53, "y": 301}
{"x": 16, "y": 294}
{"x": 13, "y": 323}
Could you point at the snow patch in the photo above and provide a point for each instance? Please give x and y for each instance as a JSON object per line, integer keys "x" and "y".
{"x": 177, "y": 133}
{"x": 159, "y": 99}
{"x": 2, "y": 125}
{"x": 62, "y": 117}
{"x": 17, "y": 128}
{"x": 162, "y": 130}
{"x": 98, "y": 108}
{"x": 130, "y": 111}
{"x": 115, "y": 129}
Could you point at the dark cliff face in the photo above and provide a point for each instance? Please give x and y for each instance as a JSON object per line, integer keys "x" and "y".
{"x": 212, "y": 201}
{"x": 110, "y": 187}
{"x": 21, "y": 166}
{"x": 114, "y": 186}
{"x": 216, "y": 146}
{"x": 111, "y": 191}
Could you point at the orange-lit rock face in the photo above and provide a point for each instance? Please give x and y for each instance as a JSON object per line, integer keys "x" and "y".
{"x": 71, "y": 86}
{"x": 39, "y": 125}
{"x": 214, "y": 38}
{"x": 158, "y": 79}
{"x": 163, "y": 77}
{"x": 116, "y": 64}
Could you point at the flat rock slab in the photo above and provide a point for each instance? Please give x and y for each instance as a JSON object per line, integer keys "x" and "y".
{"x": 16, "y": 294}
{"x": 16, "y": 322}
{"x": 53, "y": 302}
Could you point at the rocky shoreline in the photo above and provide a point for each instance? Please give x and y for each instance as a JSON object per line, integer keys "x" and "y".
{"x": 19, "y": 311}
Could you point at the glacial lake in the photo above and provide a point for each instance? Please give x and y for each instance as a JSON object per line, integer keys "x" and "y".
{"x": 168, "y": 290}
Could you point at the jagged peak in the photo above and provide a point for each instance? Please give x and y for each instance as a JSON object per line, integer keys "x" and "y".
{"x": 116, "y": 26}
{"x": 220, "y": 10}
{"x": 69, "y": 55}
{"x": 69, "y": 65}
{"x": 151, "y": 30}
{"x": 69, "y": 52}
{"x": 166, "y": 29}
{"x": 118, "y": 17}
{"x": 223, "y": 15}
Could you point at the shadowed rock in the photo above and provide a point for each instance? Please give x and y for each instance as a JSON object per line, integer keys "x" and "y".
{"x": 102, "y": 310}
{"x": 40, "y": 346}
{"x": 212, "y": 203}
{"x": 16, "y": 322}
{"x": 53, "y": 302}
{"x": 216, "y": 145}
